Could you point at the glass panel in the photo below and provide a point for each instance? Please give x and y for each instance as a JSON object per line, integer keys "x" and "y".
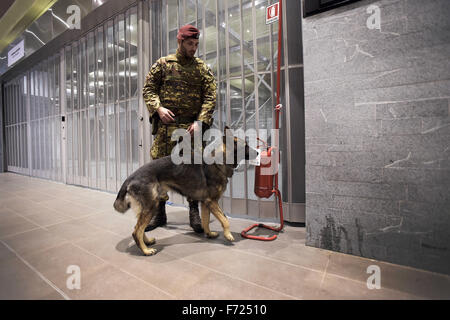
{"x": 211, "y": 35}
{"x": 134, "y": 134}
{"x": 51, "y": 78}
{"x": 249, "y": 100}
{"x": 123, "y": 140}
{"x": 100, "y": 81}
{"x": 84, "y": 143}
{"x": 265, "y": 103}
{"x": 133, "y": 42}
{"x": 172, "y": 24}
{"x": 126, "y": 57}
{"x": 100, "y": 99}
{"x": 70, "y": 147}
{"x": 248, "y": 36}
{"x": 190, "y": 12}
{"x": 83, "y": 74}
{"x": 93, "y": 147}
{"x": 120, "y": 41}
{"x": 110, "y": 62}
{"x": 156, "y": 44}
{"x": 111, "y": 144}
{"x": 101, "y": 142}
{"x": 75, "y": 76}
{"x": 25, "y": 145}
{"x": 75, "y": 146}
{"x": 45, "y": 98}
{"x": 47, "y": 145}
{"x": 91, "y": 69}
{"x": 262, "y": 37}
{"x": 68, "y": 55}
{"x": 234, "y": 34}
{"x": 41, "y": 145}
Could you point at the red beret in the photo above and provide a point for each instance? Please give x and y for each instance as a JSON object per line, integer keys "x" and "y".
{"x": 188, "y": 31}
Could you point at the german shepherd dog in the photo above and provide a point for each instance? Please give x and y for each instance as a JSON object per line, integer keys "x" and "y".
{"x": 143, "y": 189}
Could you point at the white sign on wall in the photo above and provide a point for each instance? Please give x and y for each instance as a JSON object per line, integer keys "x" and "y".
{"x": 272, "y": 13}
{"x": 16, "y": 53}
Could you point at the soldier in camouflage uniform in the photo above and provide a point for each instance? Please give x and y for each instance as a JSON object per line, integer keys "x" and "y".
{"x": 179, "y": 90}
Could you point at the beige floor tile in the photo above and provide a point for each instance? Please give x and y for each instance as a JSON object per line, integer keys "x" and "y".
{"x": 181, "y": 279}
{"x": 47, "y": 218}
{"x": 220, "y": 287}
{"x": 408, "y": 280}
{"x": 113, "y": 222}
{"x": 109, "y": 283}
{"x": 69, "y": 208}
{"x": 74, "y": 230}
{"x": 99, "y": 204}
{"x": 54, "y": 263}
{"x": 6, "y": 214}
{"x": 340, "y": 288}
{"x": 284, "y": 278}
{"x": 29, "y": 208}
{"x": 5, "y": 253}
{"x": 11, "y": 224}
{"x": 36, "y": 196}
{"x": 15, "y": 203}
{"x": 290, "y": 252}
{"x": 33, "y": 241}
{"x": 18, "y": 281}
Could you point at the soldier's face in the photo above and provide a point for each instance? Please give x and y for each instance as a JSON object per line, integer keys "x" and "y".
{"x": 189, "y": 47}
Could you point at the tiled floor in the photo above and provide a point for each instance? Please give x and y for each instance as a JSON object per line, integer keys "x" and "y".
{"x": 46, "y": 227}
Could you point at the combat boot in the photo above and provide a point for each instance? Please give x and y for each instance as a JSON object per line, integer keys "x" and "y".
{"x": 160, "y": 219}
{"x": 194, "y": 217}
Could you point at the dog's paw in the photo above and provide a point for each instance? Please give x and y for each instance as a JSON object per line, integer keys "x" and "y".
{"x": 149, "y": 241}
{"x": 150, "y": 252}
{"x": 212, "y": 235}
{"x": 229, "y": 236}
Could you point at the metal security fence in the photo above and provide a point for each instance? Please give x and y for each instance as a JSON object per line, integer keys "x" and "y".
{"x": 101, "y": 95}
{"x": 79, "y": 117}
{"x": 33, "y": 122}
{"x": 16, "y": 125}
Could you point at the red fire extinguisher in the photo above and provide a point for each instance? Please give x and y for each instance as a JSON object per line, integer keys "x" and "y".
{"x": 266, "y": 185}
{"x": 263, "y": 178}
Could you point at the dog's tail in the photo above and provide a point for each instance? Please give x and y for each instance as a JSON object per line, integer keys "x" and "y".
{"x": 120, "y": 204}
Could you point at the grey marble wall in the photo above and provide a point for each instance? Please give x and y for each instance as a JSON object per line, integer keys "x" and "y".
{"x": 377, "y": 119}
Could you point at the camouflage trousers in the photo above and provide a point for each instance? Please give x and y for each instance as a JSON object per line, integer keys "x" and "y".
{"x": 163, "y": 145}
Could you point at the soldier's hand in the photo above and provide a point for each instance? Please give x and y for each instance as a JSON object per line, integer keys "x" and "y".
{"x": 165, "y": 115}
{"x": 193, "y": 128}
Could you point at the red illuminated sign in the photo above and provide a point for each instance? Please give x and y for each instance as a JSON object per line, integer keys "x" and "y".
{"x": 272, "y": 13}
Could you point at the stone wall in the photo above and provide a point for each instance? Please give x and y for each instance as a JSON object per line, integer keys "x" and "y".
{"x": 377, "y": 120}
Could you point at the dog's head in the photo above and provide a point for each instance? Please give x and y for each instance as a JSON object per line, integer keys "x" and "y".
{"x": 240, "y": 149}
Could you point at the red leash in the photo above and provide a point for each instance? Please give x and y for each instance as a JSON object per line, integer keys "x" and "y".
{"x": 277, "y": 126}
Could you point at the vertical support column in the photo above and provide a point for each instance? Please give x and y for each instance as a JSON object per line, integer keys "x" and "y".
{"x": 144, "y": 53}
{"x": 62, "y": 103}
{"x": 295, "y": 123}
{"x": 255, "y": 77}
{"x": 244, "y": 114}
{"x": 28, "y": 121}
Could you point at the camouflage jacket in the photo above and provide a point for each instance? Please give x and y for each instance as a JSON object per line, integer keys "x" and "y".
{"x": 186, "y": 87}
